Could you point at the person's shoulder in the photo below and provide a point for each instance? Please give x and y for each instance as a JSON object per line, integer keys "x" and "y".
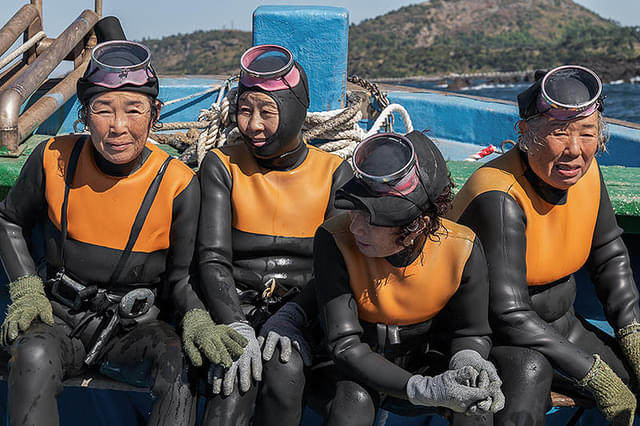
{"x": 453, "y": 230}
{"x": 177, "y": 171}
{"x": 333, "y": 160}
{"x": 62, "y": 142}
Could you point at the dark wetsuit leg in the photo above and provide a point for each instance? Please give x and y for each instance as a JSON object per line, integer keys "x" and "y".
{"x": 526, "y": 382}
{"x": 279, "y": 402}
{"x": 40, "y": 359}
{"x": 233, "y": 410}
{"x": 339, "y": 400}
{"x": 157, "y": 345}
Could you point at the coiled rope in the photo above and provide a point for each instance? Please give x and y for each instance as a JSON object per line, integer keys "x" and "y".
{"x": 338, "y": 129}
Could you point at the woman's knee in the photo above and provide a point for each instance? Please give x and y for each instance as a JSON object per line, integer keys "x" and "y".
{"x": 354, "y": 403}
{"x": 522, "y": 365}
{"x": 36, "y": 358}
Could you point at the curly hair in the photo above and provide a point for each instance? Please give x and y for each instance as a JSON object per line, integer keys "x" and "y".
{"x": 154, "y": 123}
{"x": 434, "y": 212}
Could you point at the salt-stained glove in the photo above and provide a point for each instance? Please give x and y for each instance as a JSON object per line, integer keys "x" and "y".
{"x": 219, "y": 343}
{"x": 612, "y": 396}
{"x": 244, "y": 368}
{"x": 629, "y": 340}
{"x": 488, "y": 377}
{"x": 453, "y": 389}
{"x": 28, "y": 302}
{"x": 285, "y": 328}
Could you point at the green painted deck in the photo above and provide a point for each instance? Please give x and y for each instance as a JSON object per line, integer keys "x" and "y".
{"x": 623, "y": 183}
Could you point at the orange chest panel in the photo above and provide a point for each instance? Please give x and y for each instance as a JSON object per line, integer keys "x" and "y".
{"x": 288, "y": 203}
{"x": 406, "y": 295}
{"x": 558, "y": 236}
{"x": 102, "y": 208}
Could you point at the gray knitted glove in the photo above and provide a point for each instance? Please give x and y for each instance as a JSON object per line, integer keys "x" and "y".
{"x": 285, "y": 328}
{"x": 244, "y": 368}
{"x": 489, "y": 379}
{"x": 453, "y": 389}
{"x": 28, "y": 302}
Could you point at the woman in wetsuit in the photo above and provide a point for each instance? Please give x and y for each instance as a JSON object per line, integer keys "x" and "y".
{"x": 119, "y": 221}
{"x": 402, "y": 292}
{"x": 542, "y": 212}
{"x": 262, "y": 201}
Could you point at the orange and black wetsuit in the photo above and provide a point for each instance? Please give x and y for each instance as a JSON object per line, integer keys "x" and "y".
{"x": 103, "y": 201}
{"x": 381, "y": 315}
{"x": 536, "y": 237}
{"x": 257, "y": 222}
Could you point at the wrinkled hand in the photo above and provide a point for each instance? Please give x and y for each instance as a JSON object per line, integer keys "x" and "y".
{"x": 487, "y": 378}
{"x": 219, "y": 343}
{"x": 612, "y": 396}
{"x": 453, "y": 389}
{"x": 28, "y": 302}
{"x": 629, "y": 340}
{"x": 285, "y": 328}
{"x": 244, "y": 368}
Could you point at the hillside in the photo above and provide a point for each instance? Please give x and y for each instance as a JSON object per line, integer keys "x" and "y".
{"x": 443, "y": 36}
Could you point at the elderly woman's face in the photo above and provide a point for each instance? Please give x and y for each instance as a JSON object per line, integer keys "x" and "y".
{"x": 119, "y": 123}
{"x": 258, "y": 117}
{"x": 563, "y": 150}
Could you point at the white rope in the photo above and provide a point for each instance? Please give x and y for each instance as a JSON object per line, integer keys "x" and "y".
{"x": 386, "y": 113}
{"x": 217, "y": 132}
{"x": 339, "y": 128}
{"x": 195, "y": 95}
{"x": 21, "y": 49}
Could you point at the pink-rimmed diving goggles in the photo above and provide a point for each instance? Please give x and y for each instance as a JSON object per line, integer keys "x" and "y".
{"x": 119, "y": 62}
{"x": 568, "y": 92}
{"x": 387, "y": 164}
{"x": 270, "y": 67}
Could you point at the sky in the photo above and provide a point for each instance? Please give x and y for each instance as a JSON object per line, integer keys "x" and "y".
{"x": 157, "y": 18}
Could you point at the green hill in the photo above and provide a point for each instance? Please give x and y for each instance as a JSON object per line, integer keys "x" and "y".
{"x": 444, "y": 36}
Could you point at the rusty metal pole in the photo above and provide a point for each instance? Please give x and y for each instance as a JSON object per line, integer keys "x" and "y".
{"x": 55, "y": 98}
{"x": 38, "y": 5}
{"x": 18, "y": 23}
{"x": 98, "y": 7}
{"x": 12, "y": 98}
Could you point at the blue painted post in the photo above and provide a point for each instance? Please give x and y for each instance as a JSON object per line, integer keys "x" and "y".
{"x": 318, "y": 37}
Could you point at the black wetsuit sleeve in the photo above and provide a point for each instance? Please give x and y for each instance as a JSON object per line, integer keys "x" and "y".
{"x": 214, "y": 242}
{"x": 307, "y": 298}
{"x": 466, "y": 312}
{"x": 24, "y": 205}
{"x": 610, "y": 268}
{"x": 182, "y": 241}
{"x": 500, "y": 224}
{"x": 339, "y": 319}
{"x": 341, "y": 176}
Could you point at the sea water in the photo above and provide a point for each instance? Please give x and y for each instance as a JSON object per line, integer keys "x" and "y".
{"x": 622, "y": 100}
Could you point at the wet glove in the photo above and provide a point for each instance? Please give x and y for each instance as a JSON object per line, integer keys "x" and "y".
{"x": 612, "y": 396}
{"x": 248, "y": 365}
{"x": 285, "y": 328}
{"x": 629, "y": 340}
{"x": 219, "y": 343}
{"x": 28, "y": 302}
{"x": 453, "y": 389}
{"x": 489, "y": 379}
